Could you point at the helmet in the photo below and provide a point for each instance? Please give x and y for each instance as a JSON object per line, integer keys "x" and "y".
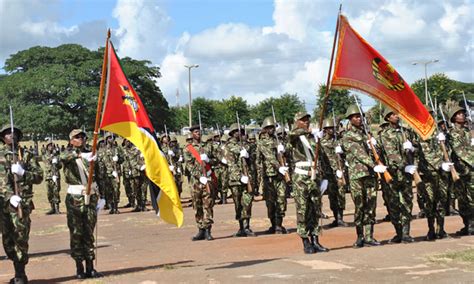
{"x": 268, "y": 121}
{"x": 299, "y": 115}
{"x": 174, "y": 139}
{"x": 386, "y": 113}
{"x": 453, "y": 111}
{"x": 224, "y": 138}
{"x": 252, "y": 136}
{"x": 328, "y": 123}
{"x": 351, "y": 110}
{"x": 233, "y": 127}
{"x": 189, "y": 137}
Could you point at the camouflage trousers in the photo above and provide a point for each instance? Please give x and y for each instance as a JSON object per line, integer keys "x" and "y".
{"x": 434, "y": 189}
{"x": 308, "y": 205}
{"x": 400, "y": 201}
{"x": 242, "y": 201}
{"x": 203, "y": 203}
{"x": 336, "y": 195}
{"x": 81, "y": 220}
{"x": 464, "y": 191}
{"x": 112, "y": 190}
{"x": 53, "y": 191}
{"x": 222, "y": 180}
{"x": 178, "y": 179}
{"x": 274, "y": 191}
{"x": 364, "y": 196}
{"x": 139, "y": 187}
{"x": 16, "y": 232}
{"x": 127, "y": 184}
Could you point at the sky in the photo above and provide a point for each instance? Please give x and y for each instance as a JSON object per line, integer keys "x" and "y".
{"x": 254, "y": 49}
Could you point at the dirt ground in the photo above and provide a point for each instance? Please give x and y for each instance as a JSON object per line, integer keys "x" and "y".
{"x": 140, "y": 248}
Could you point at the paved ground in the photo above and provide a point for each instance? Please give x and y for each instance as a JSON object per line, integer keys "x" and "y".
{"x": 140, "y": 248}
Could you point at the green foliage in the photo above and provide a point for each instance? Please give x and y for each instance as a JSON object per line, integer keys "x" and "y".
{"x": 338, "y": 101}
{"x": 285, "y": 108}
{"x": 442, "y": 88}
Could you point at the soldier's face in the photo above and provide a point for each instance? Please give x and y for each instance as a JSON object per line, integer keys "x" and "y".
{"x": 303, "y": 123}
{"x": 393, "y": 118}
{"x": 78, "y": 141}
{"x": 460, "y": 117}
{"x": 8, "y": 138}
{"x": 329, "y": 130}
{"x": 356, "y": 120}
{"x": 197, "y": 134}
{"x": 270, "y": 130}
{"x": 165, "y": 140}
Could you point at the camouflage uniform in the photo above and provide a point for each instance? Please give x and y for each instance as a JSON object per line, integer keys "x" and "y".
{"x": 222, "y": 171}
{"x": 461, "y": 144}
{"x": 53, "y": 178}
{"x": 112, "y": 183}
{"x": 16, "y": 230}
{"x": 128, "y": 149}
{"x": 176, "y": 163}
{"x": 252, "y": 148}
{"x": 100, "y": 172}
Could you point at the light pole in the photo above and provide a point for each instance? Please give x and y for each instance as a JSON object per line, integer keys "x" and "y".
{"x": 426, "y": 74}
{"x": 189, "y": 78}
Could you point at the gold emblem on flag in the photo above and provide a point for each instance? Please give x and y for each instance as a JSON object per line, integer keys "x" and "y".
{"x": 386, "y": 75}
{"x": 129, "y": 99}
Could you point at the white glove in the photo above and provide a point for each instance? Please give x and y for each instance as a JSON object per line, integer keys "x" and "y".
{"x": 446, "y": 166}
{"x": 205, "y": 158}
{"x": 408, "y": 146}
{"x": 172, "y": 168}
{"x": 178, "y": 170}
{"x": 130, "y": 172}
{"x": 100, "y": 204}
{"x": 339, "y": 173}
{"x": 224, "y": 161}
{"x": 115, "y": 158}
{"x": 55, "y": 178}
{"x": 318, "y": 134}
{"x": 15, "y": 200}
{"x": 280, "y": 148}
{"x": 142, "y": 168}
{"x": 313, "y": 173}
{"x": 180, "y": 159}
{"x": 115, "y": 174}
{"x": 54, "y": 161}
{"x": 372, "y": 140}
{"x": 380, "y": 169}
{"x": 170, "y": 153}
{"x": 203, "y": 180}
{"x": 338, "y": 150}
{"x": 324, "y": 185}
{"x": 283, "y": 170}
{"x": 18, "y": 169}
{"x": 441, "y": 137}
{"x": 410, "y": 169}
{"x": 244, "y": 179}
{"x": 244, "y": 154}
{"x": 472, "y": 141}
{"x": 88, "y": 156}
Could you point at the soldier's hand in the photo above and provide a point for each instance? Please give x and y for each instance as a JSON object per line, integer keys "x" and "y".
{"x": 172, "y": 168}
{"x": 203, "y": 180}
{"x": 372, "y": 141}
{"x": 318, "y": 134}
{"x": 178, "y": 170}
{"x": 180, "y": 159}
{"x": 88, "y": 156}
{"x": 410, "y": 169}
{"x": 115, "y": 174}
{"x": 472, "y": 141}
{"x": 170, "y": 153}
{"x": 18, "y": 169}
{"x": 115, "y": 158}
{"x": 338, "y": 150}
{"x": 380, "y": 169}
{"x": 408, "y": 146}
{"x": 224, "y": 161}
{"x": 54, "y": 178}
{"x": 283, "y": 170}
{"x": 244, "y": 179}
{"x": 205, "y": 158}
{"x": 323, "y": 186}
{"x": 441, "y": 137}
{"x": 339, "y": 173}
{"x": 446, "y": 166}
{"x": 15, "y": 200}
{"x": 142, "y": 168}
{"x": 244, "y": 154}
{"x": 280, "y": 148}
{"x": 54, "y": 161}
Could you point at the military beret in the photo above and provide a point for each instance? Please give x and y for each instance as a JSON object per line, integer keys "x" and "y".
{"x": 194, "y": 127}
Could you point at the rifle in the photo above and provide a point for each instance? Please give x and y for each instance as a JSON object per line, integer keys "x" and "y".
{"x": 54, "y": 169}
{"x": 386, "y": 174}
{"x": 468, "y": 110}
{"x": 244, "y": 162}
{"x": 410, "y": 158}
{"x": 203, "y": 164}
{"x": 169, "y": 148}
{"x": 454, "y": 173}
{"x": 340, "y": 181}
{"x": 280, "y": 157}
{"x": 15, "y": 160}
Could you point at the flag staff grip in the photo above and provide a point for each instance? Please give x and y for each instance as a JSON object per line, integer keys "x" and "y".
{"x": 97, "y": 119}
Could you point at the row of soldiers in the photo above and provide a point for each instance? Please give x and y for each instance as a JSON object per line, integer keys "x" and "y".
{"x": 391, "y": 162}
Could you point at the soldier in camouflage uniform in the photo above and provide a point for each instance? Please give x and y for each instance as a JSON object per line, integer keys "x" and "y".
{"x": 100, "y": 172}
{"x": 395, "y": 150}
{"x": 271, "y": 173}
{"x": 222, "y": 170}
{"x": 307, "y": 185}
{"x": 81, "y": 217}
{"x": 175, "y": 156}
{"x": 52, "y": 177}
{"x": 461, "y": 143}
{"x": 218, "y": 167}
{"x": 127, "y": 149}
{"x": 237, "y": 156}
{"x": 361, "y": 177}
{"x": 26, "y": 172}
{"x": 381, "y": 185}
{"x": 112, "y": 159}
{"x": 252, "y": 147}
{"x": 196, "y": 157}
{"x": 336, "y": 191}
{"x": 139, "y": 180}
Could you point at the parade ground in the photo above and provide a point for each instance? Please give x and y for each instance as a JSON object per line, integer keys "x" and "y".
{"x": 141, "y": 248}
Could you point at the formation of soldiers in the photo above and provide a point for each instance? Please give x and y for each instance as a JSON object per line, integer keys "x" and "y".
{"x": 305, "y": 163}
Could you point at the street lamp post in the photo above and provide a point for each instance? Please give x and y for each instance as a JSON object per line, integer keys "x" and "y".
{"x": 425, "y": 63}
{"x": 189, "y": 86}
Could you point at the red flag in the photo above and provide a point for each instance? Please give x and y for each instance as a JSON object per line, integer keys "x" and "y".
{"x": 125, "y": 115}
{"x": 359, "y": 66}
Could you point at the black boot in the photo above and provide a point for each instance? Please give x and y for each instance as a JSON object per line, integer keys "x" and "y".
{"x": 241, "y": 231}
{"x": 340, "y": 221}
{"x": 335, "y": 223}
{"x": 128, "y": 205}
{"x": 137, "y": 209}
{"x": 440, "y": 232}
{"x": 80, "y": 270}
{"x": 465, "y": 230}
{"x": 369, "y": 237}
{"x": 271, "y": 230}
{"x": 52, "y": 210}
{"x": 207, "y": 234}
{"x": 406, "y": 238}
{"x": 116, "y": 211}
{"x": 56, "y": 209}
{"x": 317, "y": 246}
{"x": 90, "y": 271}
{"x": 431, "y": 236}
{"x": 199, "y": 236}
{"x": 360, "y": 237}
{"x": 112, "y": 208}
{"x": 20, "y": 275}
{"x": 398, "y": 236}
{"x": 308, "y": 246}
{"x": 279, "y": 229}
{"x": 247, "y": 229}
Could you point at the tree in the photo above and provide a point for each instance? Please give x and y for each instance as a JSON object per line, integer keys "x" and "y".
{"x": 285, "y": 107}
{"x": 338, "y": 101}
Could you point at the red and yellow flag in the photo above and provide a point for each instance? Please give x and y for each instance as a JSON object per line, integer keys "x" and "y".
{"x": 359, "y": 66}
{"x": 125, "y": 115}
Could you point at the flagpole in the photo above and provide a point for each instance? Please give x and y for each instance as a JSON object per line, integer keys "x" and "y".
{"x": 326, "y": 95}
{"x": 97, "y": 118}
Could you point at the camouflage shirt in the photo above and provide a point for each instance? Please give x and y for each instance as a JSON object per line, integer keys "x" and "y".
{"x": 51, "y": 169}
{"x": 462, "y": 151}
{"x": 107, "y": 159}
{"x": 358, "y": 157}
{"x": 71, "y": 169}
{"x": 234, "y": 163}
{"x": 431, "y": 154}
{"x": 193, "y": 166}
{"x": 266, "y": 156}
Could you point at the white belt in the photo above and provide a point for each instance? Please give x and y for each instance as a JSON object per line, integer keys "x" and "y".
{"x": 302, "y": 172}
{"x": 80, "y": 189}
{"x": 303, "y": 164}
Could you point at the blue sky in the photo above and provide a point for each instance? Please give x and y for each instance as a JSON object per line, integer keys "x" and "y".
{"x": 253, "y": 49}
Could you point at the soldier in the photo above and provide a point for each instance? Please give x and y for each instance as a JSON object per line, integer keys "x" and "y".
{"x": 189, "y": 141}
{"x": 223, "y": 170}
{"x": 197, "y": 163}
{"x": 53, "y": 177}
{"x": 461, "y": 144}
{"x": 17, "y": 191}
{"x": 112, "y": 159}
{"x": 175, "y": 156}
{"x": 128, "y": 149}
{"x": 307, "y": 186}
{"x": 271, "y": 173}
{"x": 362, "y": 181}
{"x": 334, "y": 173}
{"x": 382, "y": 185}
{"x": 100, "y": 172}
{"x": 81, "y": 217}
{"x": 396, "y": 150}
{"x": 139, "y": 179}
{"x": 252, "y": 147}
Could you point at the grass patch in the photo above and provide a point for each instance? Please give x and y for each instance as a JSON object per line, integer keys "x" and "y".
{"x": 466, "y": 256}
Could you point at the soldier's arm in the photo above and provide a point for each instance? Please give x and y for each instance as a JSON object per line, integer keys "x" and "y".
{"x": 33, "y": 171}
